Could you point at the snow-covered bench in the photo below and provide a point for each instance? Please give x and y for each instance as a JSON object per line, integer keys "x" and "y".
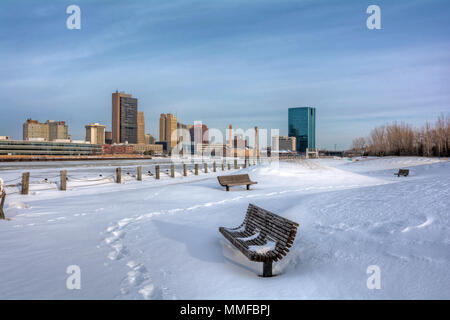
{"x": 402, "y": 172}
{"x": 262, "y": 237}
{"x": 2, "y": 202}
{"x": 235, "y": 180}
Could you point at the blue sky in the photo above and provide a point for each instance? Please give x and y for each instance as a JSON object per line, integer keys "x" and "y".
{"x": 226, "y": 61}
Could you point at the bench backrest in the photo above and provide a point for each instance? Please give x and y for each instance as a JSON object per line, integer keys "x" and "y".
{"x": 237, "y": 178}
{"x": 269, "y": 224}
{"x": 403, "y": 171}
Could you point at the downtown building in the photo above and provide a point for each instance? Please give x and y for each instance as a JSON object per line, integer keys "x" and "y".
{"x": 124, "y": 118}
{"x": 51, "y": 130}
{"x": 282, "y": 143}
{"x": 140, "y": 128}
{"x": 302, "y": 126}
{"x": 48, "y": 148}
{"x": 95, "y": 133}
{"x": 168, "y": 135}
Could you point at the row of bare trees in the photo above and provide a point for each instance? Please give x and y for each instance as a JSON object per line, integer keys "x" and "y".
{"x": 404, "y": 140}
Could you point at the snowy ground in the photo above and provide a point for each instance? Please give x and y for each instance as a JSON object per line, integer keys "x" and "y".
{"x": 160, "y": 239}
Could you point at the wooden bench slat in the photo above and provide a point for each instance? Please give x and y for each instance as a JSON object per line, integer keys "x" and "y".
{"x": 271, "y": 227}
{"x": 235, "y": 180}
{"x": 402, "y": 172}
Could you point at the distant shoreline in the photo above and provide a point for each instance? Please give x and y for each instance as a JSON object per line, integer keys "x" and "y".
{"x": 71, "y": 158}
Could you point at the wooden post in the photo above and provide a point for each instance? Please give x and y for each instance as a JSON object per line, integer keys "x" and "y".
{"x": 196, "y": 169}
{"x": 235, "y": 164}
{"x": 245, "y": 163}
{"x": 229, "y": 166}
{"x": 139, "y": 173}
{"x": 157, "y": 172}
{"x": 172, "y": 170}
{"x": 223, "y": 166}
{"x": 2, "y": 202}
{"x": 119, "y": 175}
{"x": 184, "y": 169}
{"x": 25, "y": 182}
{"x": 267, "y": 268}
{"x": 214, "y": 166}
{"x": 206, "y": 167}
{"x": 63, "y": 180}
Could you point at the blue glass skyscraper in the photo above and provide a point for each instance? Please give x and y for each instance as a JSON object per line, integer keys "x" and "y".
{"x": 302, "y": 126}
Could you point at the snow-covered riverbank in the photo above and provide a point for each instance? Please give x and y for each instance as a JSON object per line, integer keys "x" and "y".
{"x": 160, "y": 239}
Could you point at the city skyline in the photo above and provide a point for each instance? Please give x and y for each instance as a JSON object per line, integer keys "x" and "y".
{"x": 272, "y": 58}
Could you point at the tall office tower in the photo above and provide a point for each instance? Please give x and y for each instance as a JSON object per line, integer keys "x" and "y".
{"x": 141, "y": 128}
{"x": 171, "y": 127}
{"x": 95, "y": 133}
{"x": 33, "y": 130}
{"x": 58, "y": 130}
{"x": 124, "y": 118}
{"x": 162, "y": 127}
{"x": 302, "y": 126}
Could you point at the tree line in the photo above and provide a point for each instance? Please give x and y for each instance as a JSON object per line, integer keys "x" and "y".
{"x": 401, "y": 139}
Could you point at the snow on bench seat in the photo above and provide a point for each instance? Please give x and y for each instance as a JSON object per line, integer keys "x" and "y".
{"x": 262, "y": 237}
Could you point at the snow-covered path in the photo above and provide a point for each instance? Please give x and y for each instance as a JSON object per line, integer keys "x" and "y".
{"x": 160, "y": 239}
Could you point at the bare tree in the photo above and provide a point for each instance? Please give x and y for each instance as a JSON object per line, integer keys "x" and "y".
{"x": 402, "y": 139}
{"x": 359, "y": 144}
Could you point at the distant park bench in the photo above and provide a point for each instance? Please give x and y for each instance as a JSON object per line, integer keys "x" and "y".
{"x": 402, "y": 172}
{"x": 2, "y": 202}
{"x": 262, "y": 237}
{"x": 235, "y": 180}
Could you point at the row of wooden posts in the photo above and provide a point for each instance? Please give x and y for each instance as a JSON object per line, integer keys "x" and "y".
{"x": 63, "y": 174}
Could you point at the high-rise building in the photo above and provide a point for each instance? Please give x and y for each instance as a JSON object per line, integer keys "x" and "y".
{"x": 140, "y": 128}
{"x": 95, "y": 133}
{"x": 49, "y": 131}
{"x": 171, "y": 131}
{"x": 302, "y": 126}
{"x": 168, "y": 124}
{"x": 33, "y": 130}
{"x": 162, "y": 127}
{"x": 281, "y": 143}
{"x": 58, "y": 130}
{"x": 124, "y": 118}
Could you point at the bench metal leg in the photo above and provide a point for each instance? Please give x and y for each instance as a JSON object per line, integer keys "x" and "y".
{"x": 228, "y": 188}
{"x": 248, "y": 187}
{"x": 267, "y": 268}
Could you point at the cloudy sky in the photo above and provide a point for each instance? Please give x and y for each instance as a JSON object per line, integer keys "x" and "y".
{"x": 243, "y": 62}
